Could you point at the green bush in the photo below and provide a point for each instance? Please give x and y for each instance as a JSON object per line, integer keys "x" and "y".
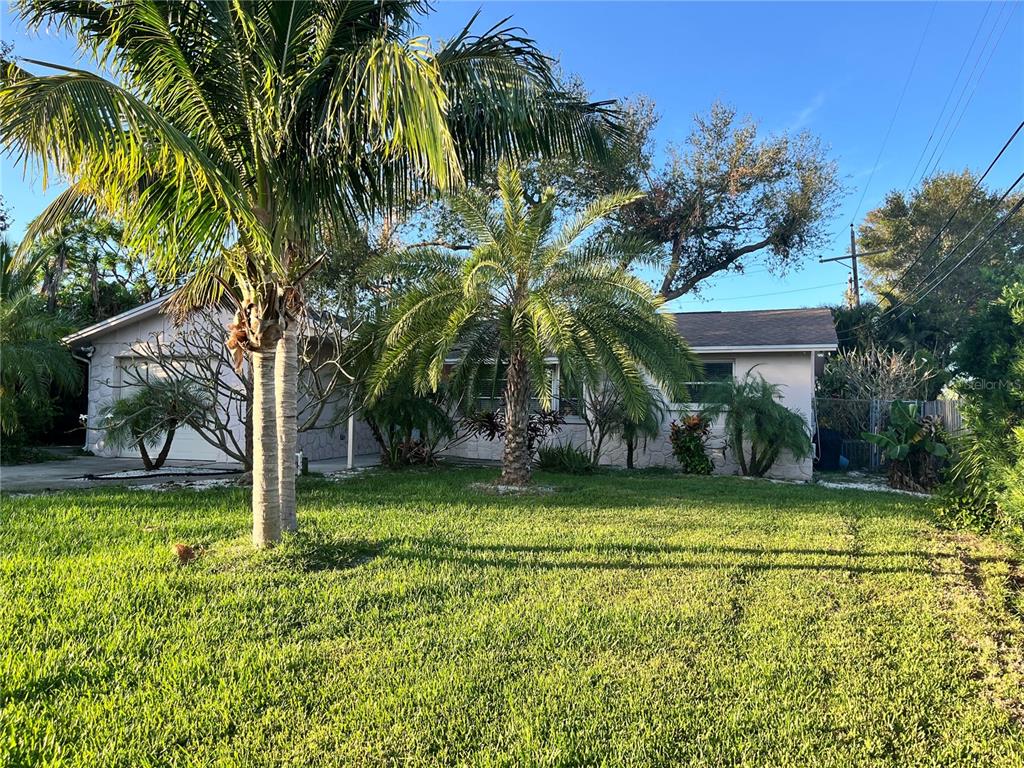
{"x": 688, "y": 445}
{"x": 565, "y": 457}
{"x": 758, "y": 427}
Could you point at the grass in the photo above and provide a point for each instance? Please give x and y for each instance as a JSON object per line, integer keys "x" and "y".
{"x": 623, "y": 619}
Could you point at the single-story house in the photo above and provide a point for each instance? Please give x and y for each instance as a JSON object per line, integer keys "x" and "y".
{"x": 786, "y": 346}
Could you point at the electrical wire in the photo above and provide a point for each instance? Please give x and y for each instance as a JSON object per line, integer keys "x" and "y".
{"x": 899, "y": 103}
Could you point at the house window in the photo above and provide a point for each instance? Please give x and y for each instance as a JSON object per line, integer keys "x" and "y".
{"x": 715, "y": 372}
{"x": 490, "y": 390}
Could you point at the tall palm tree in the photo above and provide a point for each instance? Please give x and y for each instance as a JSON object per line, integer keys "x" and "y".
{"x": 256, "y": 128}
{"x": 524, "y": 294}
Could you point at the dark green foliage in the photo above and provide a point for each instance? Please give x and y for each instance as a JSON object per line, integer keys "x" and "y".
{"x": 35, "y": 365}
{"x": 409, "y": 427}
{"x": 150, "y": 417}
{"x": 913, "y": 447}
{"x": 688, "y": 445}
{"x": 983, "y": 488}
{"x": 565, "y": 457}
{"x": 758, "y": 427}
{"x": 491, "y": 425}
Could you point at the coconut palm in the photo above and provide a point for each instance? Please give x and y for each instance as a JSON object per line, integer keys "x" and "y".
{"x": 239, "y": 135}
{"x": 33, "y": 362}
{"x": 529, "y": 291}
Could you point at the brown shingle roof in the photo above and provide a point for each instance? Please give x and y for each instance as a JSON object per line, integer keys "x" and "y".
{"x": 758, "y": 328}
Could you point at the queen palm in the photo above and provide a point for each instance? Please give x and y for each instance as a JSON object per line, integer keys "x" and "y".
{"x": 530, "y": 290}
{"x": 240, "y": 134}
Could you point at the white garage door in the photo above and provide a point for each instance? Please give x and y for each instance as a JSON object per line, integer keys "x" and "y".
{"x": 187, "y": 444}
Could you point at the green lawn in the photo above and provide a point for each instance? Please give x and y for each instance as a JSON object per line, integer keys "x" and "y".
{"x": 624, "y": 619}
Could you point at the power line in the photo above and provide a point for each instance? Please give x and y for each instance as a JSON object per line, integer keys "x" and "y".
{"x": 778, "y": 293}
{"x": 936, "y": 156}
{"x": 899, "y": 104}
{"x": 904, "y": 302}
{"x": 992, "y": 209}
{"x": 988, "y": 236}
{"x": 949, "y": 95}
{"x": 956, "y": 211}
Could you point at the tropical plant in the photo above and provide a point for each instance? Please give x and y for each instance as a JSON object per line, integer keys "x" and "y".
{"x": 565, "y": 457}
{"x": 409, "y": 427}
{"x": 493, "y": 425}
{"x": 982, "y": 488}
{"x": 239, "y": 136}
{"x": 150, "y": 417}
{"x": 525, "y": 295}
{"x": 689, "y": 440}
{"x": 875, "y": 374}
{"x": 34, "y": 365}
{"x": 636, "y": 429}
{"x": 758, "y": 427}
{"x": 911, "y": 444}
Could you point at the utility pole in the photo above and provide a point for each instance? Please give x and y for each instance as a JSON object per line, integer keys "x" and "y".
{"x": 853, "y": 261}
{"x": 853, "y": 256}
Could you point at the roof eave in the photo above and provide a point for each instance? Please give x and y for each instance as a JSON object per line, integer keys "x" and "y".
{"x": 767, "y": 348}
{"x": 116, "y": 321}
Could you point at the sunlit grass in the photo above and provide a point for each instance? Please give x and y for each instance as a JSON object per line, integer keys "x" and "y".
{"x": 622, "y": 619}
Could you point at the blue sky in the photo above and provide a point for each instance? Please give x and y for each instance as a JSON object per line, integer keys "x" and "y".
{"x": 835, "y": 69}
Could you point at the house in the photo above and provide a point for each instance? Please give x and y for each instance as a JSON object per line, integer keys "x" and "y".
{"x": 786, "y": 346}
{"x": 143, "y": 343}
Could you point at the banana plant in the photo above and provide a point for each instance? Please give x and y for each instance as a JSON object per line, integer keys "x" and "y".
{"x": 908, "y": 443}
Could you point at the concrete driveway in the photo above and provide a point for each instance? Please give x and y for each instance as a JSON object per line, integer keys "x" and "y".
{"x": 88, "y": 471}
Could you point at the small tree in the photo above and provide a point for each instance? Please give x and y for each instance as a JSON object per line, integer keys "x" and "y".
{"x": 876, "y": 374}
{"x": 758, "y": 427}
{"x": 528, "y": 292}
{"x": 151, "y": 415}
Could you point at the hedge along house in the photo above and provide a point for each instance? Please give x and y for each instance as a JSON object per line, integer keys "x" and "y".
{"x": 143, "y": 344}
{"x": 786, "y": 346}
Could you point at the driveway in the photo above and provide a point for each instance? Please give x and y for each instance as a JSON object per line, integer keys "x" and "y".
{"x": 95, "y": 471}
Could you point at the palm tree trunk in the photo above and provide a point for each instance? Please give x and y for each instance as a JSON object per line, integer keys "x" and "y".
{"x": 515, "y": 464}
{"x": 146, "y": 461}
{"x": 266, "y": 507}
{"x": 286, "y": 374}
{"x": 162, "y": 456}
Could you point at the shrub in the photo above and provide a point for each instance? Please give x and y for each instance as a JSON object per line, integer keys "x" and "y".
{"x": 491, "y": 425}
{"x": 688, "y": 445}
{"x": 757, "y": 426}
{"x": 565, "y": 457}
{"x": 150, "y": 417}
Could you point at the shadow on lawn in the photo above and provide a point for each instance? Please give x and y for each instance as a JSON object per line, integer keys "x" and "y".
{"x": 314, "y": 551}
{"x": 646, "y": 558}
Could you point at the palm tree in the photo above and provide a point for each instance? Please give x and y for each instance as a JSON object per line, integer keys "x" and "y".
{"x": 33, "y": 362}
{"x": 150, "y": 417}
{"x": 257, "y": 129}
{"x": 523, "y": 295}
{"x": 758, "y": 427}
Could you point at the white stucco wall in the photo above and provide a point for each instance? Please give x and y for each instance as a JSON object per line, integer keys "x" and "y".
{"x": 793, "y": 371}
{"x": 118, "y": 347}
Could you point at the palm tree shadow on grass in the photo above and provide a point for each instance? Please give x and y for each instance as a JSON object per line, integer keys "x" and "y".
{"x": 313, "y": 549}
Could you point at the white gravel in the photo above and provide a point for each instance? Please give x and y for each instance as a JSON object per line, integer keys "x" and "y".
{"x": 128, "y": 474}
{"x": 876, "y": 487}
